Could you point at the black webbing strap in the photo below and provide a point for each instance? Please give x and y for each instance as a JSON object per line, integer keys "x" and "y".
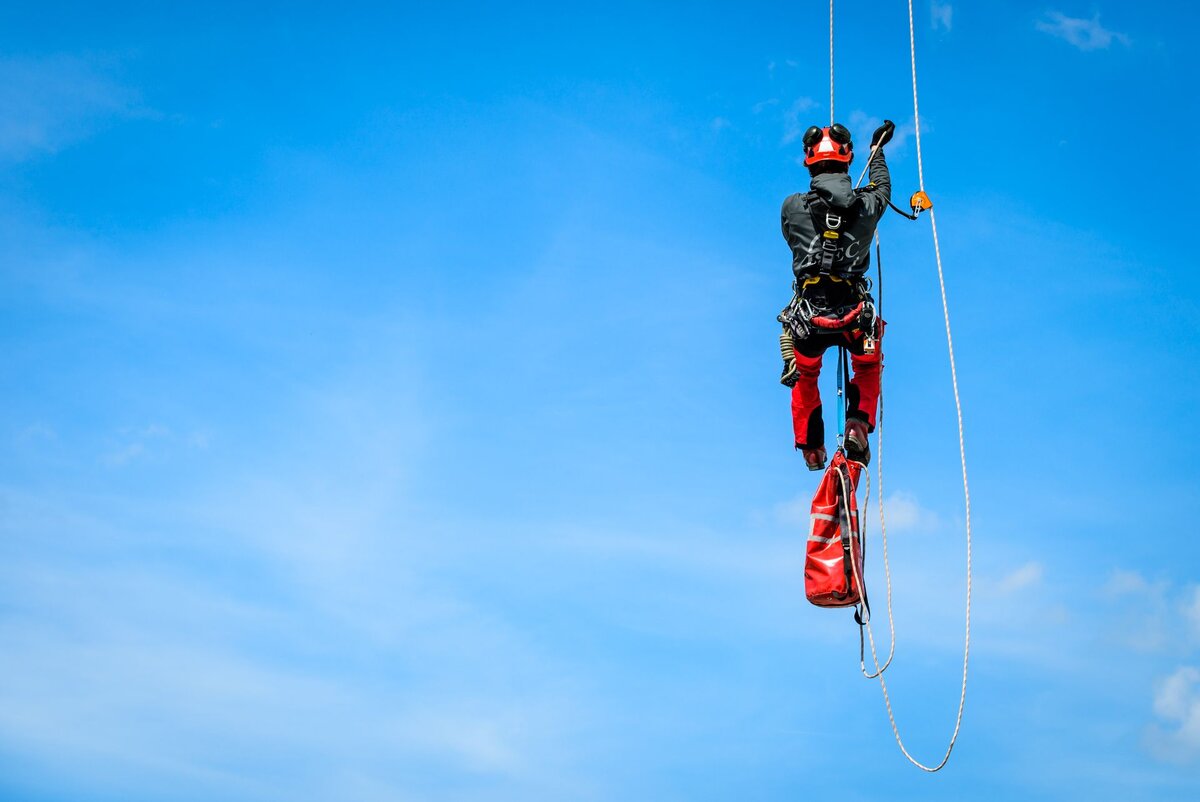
{"x": 828, "y": 222}
{"x": 847, "y": 526}
{"x": 900, "y": 211}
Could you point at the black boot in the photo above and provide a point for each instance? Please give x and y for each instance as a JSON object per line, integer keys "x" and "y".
{"x": 856, "y": 441}
{"x": 814, "y": 458}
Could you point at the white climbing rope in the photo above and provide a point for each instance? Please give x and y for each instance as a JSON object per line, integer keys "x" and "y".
{"x": 864, "y": 614}
{"x": 831, "y": 62}
{"x": 961, "y": 450}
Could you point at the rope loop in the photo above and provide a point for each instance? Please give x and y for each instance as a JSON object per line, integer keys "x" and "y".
{"x": 865, "y": 618}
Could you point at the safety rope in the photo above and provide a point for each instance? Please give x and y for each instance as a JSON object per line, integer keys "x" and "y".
{"x": 961, "y": 449}
{"x": 887, "y": 567}
{"x": 831, "y": 62}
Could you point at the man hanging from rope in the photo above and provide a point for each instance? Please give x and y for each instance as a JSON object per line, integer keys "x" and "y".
{"x": 829, "y": 230}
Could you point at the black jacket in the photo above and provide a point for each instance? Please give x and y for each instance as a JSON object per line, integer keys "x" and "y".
{"x": 867, "y": 206}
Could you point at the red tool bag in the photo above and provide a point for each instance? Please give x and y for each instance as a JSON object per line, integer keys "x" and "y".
{"x": 829, "y": 579}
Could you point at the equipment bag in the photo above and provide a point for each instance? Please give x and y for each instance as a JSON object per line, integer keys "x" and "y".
{"x": 829, "y": 579}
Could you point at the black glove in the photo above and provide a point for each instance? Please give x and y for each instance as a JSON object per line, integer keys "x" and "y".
{"x": 883, "y": 134}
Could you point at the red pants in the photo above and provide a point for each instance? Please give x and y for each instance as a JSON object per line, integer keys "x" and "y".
{"x": 862, "y": 395}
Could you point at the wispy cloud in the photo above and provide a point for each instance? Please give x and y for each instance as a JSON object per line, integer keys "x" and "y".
{"x": 1176, "y": 736}
{"x": 133, "y": 443}
{"x": 114, "y": 659}
{"x": 904, "y": 513}
{"x": 943, "y": 15}
{"x": 1022, "y": 578}
{"x": 795, "y": 119}
{"x": 1085, "y": 34}
{"x": 1148, "y": 615}
{"x": 47, "y": 104}
{"x": 773, "y": 66}
{"x": 862, "y": 125}
{"x": 1192, "y": 612}
{"x": 763, "y": 105}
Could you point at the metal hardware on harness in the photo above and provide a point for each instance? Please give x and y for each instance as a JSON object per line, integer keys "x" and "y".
{"x": 830, "y": 239}
{"x": 804, "y": 318}
{"x": 829, "y": 224}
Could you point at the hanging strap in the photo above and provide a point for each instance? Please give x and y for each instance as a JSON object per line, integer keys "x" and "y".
{"x": 843, "y": 380}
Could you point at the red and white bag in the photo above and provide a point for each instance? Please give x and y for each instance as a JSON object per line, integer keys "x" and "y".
{"x": 829, "y": 573}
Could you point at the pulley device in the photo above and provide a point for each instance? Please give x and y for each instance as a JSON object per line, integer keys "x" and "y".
{"x": 919, "y": 202}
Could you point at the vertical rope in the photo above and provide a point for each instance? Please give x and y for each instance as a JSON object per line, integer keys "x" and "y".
{"x": 831, "y": 62}
{"x": 912, "y": 53}
{"x": 887, "y": 568}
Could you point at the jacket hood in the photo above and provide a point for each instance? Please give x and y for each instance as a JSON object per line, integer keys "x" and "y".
{"x": 834, "y": 188}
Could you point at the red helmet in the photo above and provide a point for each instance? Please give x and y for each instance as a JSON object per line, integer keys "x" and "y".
{"x": 828, "y": 144}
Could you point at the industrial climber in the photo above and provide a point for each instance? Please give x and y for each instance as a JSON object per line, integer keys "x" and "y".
{"x": 829, "y": 230}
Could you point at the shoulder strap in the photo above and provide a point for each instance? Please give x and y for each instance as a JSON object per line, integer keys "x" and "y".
{"x": 829, "y": 222}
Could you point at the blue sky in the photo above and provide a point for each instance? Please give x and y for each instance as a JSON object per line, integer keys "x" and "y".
{"x": 392, "y": 406}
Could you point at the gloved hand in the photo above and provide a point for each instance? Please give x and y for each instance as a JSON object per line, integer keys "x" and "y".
{"x": 883, "y": 134}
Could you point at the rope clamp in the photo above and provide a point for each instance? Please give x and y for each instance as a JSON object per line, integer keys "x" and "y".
{"x": 919, "y": 202}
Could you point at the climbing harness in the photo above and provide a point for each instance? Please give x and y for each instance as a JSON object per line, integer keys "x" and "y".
{"x": 836, "y": 545}
{"x": 828, "y": 222}
{"x": 824, "y": 301}
{"x": 829, "y": 304}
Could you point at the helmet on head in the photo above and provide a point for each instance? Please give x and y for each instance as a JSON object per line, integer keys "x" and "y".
{"x": 828, "y": 144}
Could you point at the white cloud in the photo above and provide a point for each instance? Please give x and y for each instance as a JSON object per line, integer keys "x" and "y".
{"x": 1154, "y": 612}
{"x": 37, "y": 432}
{"x": 943, "y": 15}
{"x": 48, "y": 104}
{"x": 1192, "y": 612}
{"x": 1085, "y": 34}
{"x": 135, "y": 443}
{"x": 136, "y": 666}
{"x": 904, "y": 513}
{"x": 763, "y": 105}
{"x": 863, "y": 125}
{"x": 1024, "y": 577}
{"x": 1161, "y": 619}
{"x": 1124, "y": 583}
{"x": 1177, "y": 704}
{"x": 123, "y": 455}
{"x": 795, "y": 512}
{"x": 794, "y": 124}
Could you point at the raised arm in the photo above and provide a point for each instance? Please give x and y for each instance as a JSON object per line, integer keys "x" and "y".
{"x": 879, "y": 191}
